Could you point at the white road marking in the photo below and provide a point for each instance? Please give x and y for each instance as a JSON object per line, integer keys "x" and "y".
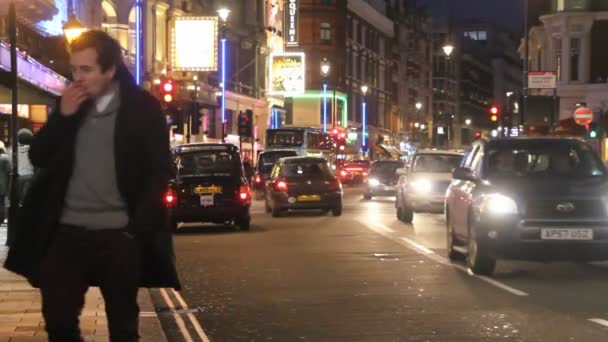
{"x": 419, "y": 248}
{"x": 178, "y": 319}
{"x": 193, "y": 320}
{"x": 599, "y": 321}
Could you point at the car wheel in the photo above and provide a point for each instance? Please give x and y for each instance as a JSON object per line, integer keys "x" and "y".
{"x": 407, "y": 215}
{"x": 244, "y": 223}
{"x": 478, "y": 261}
{"x": 337, "y": 210}
{"x": 276, "y": 212}
{"x": 367, "y": 196}
{"x": 399, "y": 214}
{"x": 452, "y": 254}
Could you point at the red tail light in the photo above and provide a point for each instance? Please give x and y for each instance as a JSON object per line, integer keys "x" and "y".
{"x": 257, "y": 179}
{"x": 334, "y": 185}
{"x": 170, "y": 198}
{"x": 244, "y": 193}
{"x": 365, "y": 174}
{"x": 343, "y": 173}
{"x": 280, "y": 184}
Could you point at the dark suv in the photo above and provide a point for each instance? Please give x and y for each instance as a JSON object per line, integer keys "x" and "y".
{"x": 303, "y": 183}
{"x": 210, "y": 186}
{"x": 528, "y": 198}
{"x": 266, "y": 161}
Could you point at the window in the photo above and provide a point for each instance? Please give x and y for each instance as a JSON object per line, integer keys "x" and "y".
{"x": 557, "y": 45}
{"x": 560, "y": 5}
{"x": 575, "y": 48}
{"x": 325, "y": 32}
{"x": 539, "y": 60}
{"x": 476, "y": 35}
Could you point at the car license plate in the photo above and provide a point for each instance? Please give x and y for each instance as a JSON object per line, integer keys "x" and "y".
{"x": 566, "y": 234}
{"x": 208, "y": 189}
{"x": 207, "y": 200}
{"x": 309, "y": 198}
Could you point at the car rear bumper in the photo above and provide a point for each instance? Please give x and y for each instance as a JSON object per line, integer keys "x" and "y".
{"x": 216, "y": 214}
{"x": 511, "y": 238}
{"x": 283, "y": 201}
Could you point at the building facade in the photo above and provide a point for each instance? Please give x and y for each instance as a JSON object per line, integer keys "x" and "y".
{"x": 569, "y": 41}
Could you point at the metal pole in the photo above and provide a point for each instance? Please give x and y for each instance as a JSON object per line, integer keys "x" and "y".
{"x": 223, "y": 83}
{"x": 14, "y": 201}
{"x": 363, "y": 123}
{"x": 553, "y": 111}
{"x": 525, "y": 69}
{"x": 325, "y": 107}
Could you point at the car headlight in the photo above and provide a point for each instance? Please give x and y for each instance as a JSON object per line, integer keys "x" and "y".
{"x": 422, "y": 186}
{"x": 373, "y": 182}
{"x": 499, "y": 204}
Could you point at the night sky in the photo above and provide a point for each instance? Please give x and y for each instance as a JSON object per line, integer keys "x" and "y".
{"x": 507, "y": 14}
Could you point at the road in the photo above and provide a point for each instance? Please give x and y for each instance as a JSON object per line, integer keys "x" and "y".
{"x": 365, "y": 276}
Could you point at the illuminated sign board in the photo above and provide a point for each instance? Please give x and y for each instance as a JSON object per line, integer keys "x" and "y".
{"x": 291, "y": 23}
{"x": 33, "y": 72}
{"x": 194, "y": 44}
{"x": 274, "y": 25}
{"x": 287, "y": 74}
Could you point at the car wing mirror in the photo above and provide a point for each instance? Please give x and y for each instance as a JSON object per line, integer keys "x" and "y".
{"x": 463, "y": 173}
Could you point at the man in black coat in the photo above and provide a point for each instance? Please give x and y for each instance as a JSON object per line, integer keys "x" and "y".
{"x": 94, "y": 214}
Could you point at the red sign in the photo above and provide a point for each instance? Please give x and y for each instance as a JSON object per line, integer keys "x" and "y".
{"x": 583, "y": 116}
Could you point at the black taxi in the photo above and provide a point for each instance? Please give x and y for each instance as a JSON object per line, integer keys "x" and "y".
{"x": 209, "y": 186}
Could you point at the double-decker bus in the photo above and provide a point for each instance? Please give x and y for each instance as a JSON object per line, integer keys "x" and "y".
{"x": 306, "y": 141}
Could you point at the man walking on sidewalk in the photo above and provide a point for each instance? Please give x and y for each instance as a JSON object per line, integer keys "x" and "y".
{"x": 94, "y": 215}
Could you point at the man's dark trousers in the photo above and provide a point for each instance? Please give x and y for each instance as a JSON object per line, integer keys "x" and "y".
{"x": 78, "y": 258}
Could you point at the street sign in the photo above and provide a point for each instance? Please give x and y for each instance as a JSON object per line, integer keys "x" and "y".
{"x": 583, "y": 116}
{"x": 542, "y": 80}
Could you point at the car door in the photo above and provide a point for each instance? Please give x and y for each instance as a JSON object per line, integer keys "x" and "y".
{"x": 459, "y": 195}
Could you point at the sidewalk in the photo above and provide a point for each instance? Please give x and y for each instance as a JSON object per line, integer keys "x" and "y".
{"x": 21, "y": 319}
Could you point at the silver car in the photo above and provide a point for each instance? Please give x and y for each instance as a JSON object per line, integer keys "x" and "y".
{"x": 422, "y": 185}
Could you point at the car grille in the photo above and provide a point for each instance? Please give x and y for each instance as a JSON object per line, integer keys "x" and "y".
{"x": 548, "y": 209}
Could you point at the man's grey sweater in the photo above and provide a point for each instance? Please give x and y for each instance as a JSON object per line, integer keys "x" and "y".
{"x": 93, "y": 200}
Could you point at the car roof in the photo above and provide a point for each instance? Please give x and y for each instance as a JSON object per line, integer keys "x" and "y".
{"x": 279, "y": 150}
{"x": 205, "y": 147}
{"x": 519, "y": 140}
{"x": 440, "y": 152}
{"x": 301, "y": 159}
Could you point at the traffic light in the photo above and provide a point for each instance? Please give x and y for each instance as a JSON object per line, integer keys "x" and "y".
{"x": 478, "y": 135}
{"x": 593, "y": 132}
{"x": 197, "y": 121}
{"x": 245, "y": 123}
{"x": 494, "y": 113}
{"x": 167, "y": 91}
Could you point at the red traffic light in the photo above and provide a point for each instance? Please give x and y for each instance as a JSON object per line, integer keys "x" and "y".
{"x": 477, "y": 134}
{"x": 168, "y": 86}
{"x": 494, "y": 110}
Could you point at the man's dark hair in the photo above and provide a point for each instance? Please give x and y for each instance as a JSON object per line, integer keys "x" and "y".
{"x": 108, "y": 50}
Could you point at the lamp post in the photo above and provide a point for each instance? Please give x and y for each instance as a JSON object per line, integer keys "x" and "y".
{"x": 325, "y": 72}
{"x": 223, "y": 14}
{"x": 364, "y": 89}
{"x": 414, "y": 133}
{"x": 72, "y": 28}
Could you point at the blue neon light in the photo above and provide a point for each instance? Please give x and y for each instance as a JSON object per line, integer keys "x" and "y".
{"x": 324, "y": 107}
{"x": 276, "y": 119}
{"x": 138, "y": 41}
{"x": 363, "y": 123}
{"x": 223, "y": 81}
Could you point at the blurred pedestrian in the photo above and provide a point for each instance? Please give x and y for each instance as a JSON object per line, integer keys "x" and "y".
{"x": 94, "y": 215}
{"x": 5, "y": 176}
{"x": 25, "y": 167}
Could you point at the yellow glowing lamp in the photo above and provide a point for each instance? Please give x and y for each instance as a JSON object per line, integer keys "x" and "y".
{"x": 168, "y": 98}
{"x": 73, "y": 28}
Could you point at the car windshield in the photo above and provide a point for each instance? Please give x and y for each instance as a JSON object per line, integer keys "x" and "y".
{"x": 309, "y": 169}
{"x": 386, "y": 168}
{"x": 207, "y": 163}
{"x": 268, "y": 159}
{"x": 546, "y": 159}
{"x": 436, "y": 163}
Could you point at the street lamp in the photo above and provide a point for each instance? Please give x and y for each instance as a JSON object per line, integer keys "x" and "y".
{"x": 223, "y": 14}
{"x": 364, "y": 89}
{"x": 73, "y": 28}
{"x": 467, "y": 122}
{"x": 418, "y": 105}
{"x": 448, "y": 49}
{"x": 324, "y": 72}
